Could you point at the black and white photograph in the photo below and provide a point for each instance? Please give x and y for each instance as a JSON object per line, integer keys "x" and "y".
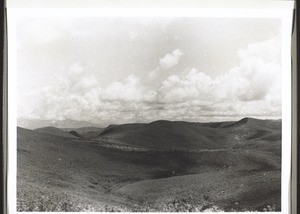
{"x": 150, "y": 113}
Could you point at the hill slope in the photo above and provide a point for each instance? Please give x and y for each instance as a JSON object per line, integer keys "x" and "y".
{"x": 250, "y": 133}
{"x": 78, "y": 174}
{"x": 86, "y": 132}
{"x": 55, "y": 131}
{"x": 168, "y": 135}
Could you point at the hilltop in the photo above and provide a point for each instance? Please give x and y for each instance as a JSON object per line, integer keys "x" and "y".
{"x": 168, "y": 135}
{"x": 65, "y": 123}
{"x": 55, "y": 131}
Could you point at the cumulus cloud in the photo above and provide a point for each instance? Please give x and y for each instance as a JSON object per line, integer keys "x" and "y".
{"x": 194, "y": 85}
{"x": 154, "y": 73}
{"x": 268, "y": 51}
{"x": 252, "y": 88}
{"x": 77, "y": 95}
{"x": 259, "y": 72}
{"x": 170, "y": 59}
{"x": 129, "y": 90}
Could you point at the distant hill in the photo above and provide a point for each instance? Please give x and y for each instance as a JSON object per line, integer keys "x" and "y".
{"x": 85, "y": 132}
{"x": 76, "y": 134}
{"x": 55, "y": 131}
{"x": 67, "y": 123}
{"x": 168, "y": 135}
{"x": 255, "y": 123}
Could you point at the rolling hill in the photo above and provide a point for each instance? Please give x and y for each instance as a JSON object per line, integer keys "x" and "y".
{"x": 183, "y": 166}
{"x": 178, "y": 135}
{"x": 250, "y": 133}
{"x": 55, "y": 131}
{"x": 86, "y": 132}
{"x": 167, "y": 135}
{"x": 66, "y": 123}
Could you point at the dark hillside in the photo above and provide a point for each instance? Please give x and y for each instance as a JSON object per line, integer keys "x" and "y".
{"x": 167, "y": 135}
{"x": 55, "y": 131}
{"x": 86, "y": 132}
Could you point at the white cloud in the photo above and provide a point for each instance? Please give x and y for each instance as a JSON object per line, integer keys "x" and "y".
{"x": 259, "y": 72}
{"x": 170, "y": 59}
{"x": 154, "y": 73}
{"x": 129, "y": 90}
{"x": 268, "y": 50}
{"x": 76, "y": 68}
{"x": 252, "y": 88}
{"x": 193, "y": 86}
{"x": 79, "y": 96}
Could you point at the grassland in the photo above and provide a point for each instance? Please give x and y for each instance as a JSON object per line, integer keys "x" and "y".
{"x": 160, "y": 166}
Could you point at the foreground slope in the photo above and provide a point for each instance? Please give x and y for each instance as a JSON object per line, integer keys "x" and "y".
{"x": 229, "y": 190}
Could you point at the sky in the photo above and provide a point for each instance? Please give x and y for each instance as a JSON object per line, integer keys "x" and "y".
{"x": 137, "y": 69}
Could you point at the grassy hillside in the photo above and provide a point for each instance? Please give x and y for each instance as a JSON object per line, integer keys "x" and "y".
{"x": 262, "y": 135}
{"x": 224, "y": 191}
{"x": 86, "y": 132}
{"x": 167, "y": 135}
{"x": 55, "y": 131}
{"x": 192, "y": 166}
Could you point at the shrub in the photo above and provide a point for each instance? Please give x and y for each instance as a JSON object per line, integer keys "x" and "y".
{"x": 189, "y": 204}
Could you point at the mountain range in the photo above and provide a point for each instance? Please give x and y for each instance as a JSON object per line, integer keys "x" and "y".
{"x": 65, "y": 123}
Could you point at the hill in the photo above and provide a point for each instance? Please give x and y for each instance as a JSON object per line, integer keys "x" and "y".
{"x": 55, "y": 131}
{"x": 191, "y": 167}
{"x": 86, "y": 132}
{"x": 263, "y": 135}
{"x": 206, "y": 191}
{"x": 166, "y": 135}
{"x": 255, "y": 123}
{"x": 66, "y": 123}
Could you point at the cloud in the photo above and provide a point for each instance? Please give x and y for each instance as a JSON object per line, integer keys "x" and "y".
{"x": 259, "y": 72}
{"x": 252, "y": 88}
{"x": 268, "y": 51}
{"x": 194, "y": 85}
{"x": 76, "y": 68}
{"x": 77, "y": 95}
{"x": 170, "y": 59}
{"x": 130, "y": 90}
{"x": 154, "y": 73}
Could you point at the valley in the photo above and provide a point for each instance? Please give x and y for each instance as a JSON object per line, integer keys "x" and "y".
{"x": 162, "y": 166}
